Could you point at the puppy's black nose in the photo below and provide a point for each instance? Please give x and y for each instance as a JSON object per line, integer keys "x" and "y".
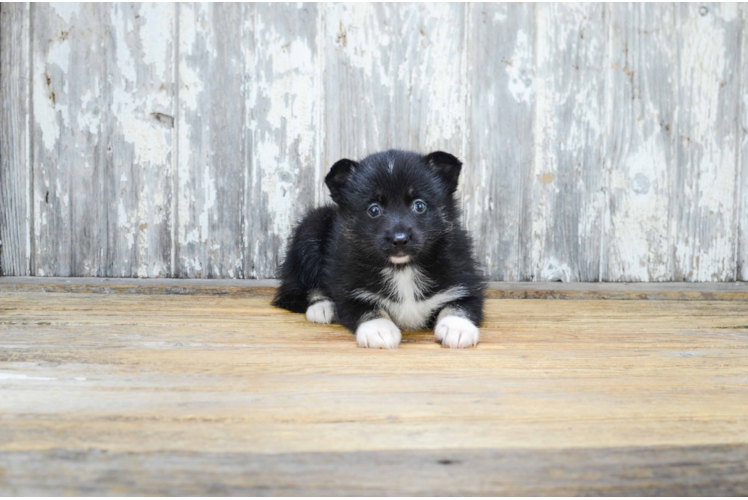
{"x": 400, "y": 240}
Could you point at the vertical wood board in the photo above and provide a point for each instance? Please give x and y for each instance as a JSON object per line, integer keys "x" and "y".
{"x": 69, "y": 142}
{"x": 741, "y": 247}
{"x": 359, "y": 40}
{"x": 569, "y": 159}
{"x": 15, "y": 178}
{"x": 641, "y": 142}
{"x": 500, "y": 136}
{"x": 429, "y": 78}
{"x": 394, "y": 78}
{"x": 283, "y": 122}
{"x": 139, "y": 120}
{"x": 704, "y": 185}
{"x": 102, "y": 139}
{"x": 210, "y": 175}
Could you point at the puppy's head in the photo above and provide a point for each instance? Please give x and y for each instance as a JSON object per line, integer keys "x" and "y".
{"x": 396, "y": 205}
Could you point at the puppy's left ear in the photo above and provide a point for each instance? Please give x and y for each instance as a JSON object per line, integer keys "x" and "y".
{"x": 338, "y": 178}
{"x": 446, "y": 167}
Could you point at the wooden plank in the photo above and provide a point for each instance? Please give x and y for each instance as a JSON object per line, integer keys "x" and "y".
{"x": 139, "y": 123}
{"x": 168, "y": 286}
{"x": 15, "y": 179}
{"x": 704, "y": 185}
{"x": 102, "y": 87}
{"x": 65, "y": 159}
{"x": 496, "y": 290}
{"x": 285, "y": 128}
{"x": 210, "y": 193}
{"x": 428, "y": 62}
{"x": 652, "y": 388}
{"x": 635, "y": 471}
{"x": 741, "y": 247}
{"x": 381, "y": 63}
{"x": 568, "y": 175}
{"x": 359, "y": 41}
{"x": 497, "y": 177}
{"x": 641, "y": 142}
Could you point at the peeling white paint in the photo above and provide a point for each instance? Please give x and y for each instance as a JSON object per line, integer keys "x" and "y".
{"x": 568, "y": 176}
{"x": 125, "y": 62}
{"x": 158, "y": 20}
{"x": 125, "y": 223}
{"x": 729, "y": 12}
{"x": 702, "y": 66}
{"x": 355, "y": 27}
{"x": 704, "y": 244}
{"x": 87, "y": 118}
{"x": 209, "y": 200}
{"x": 520, "y": 70}
{"x": 554, "y": 270}
{"x": 406, "y": 76}
{"x": 286, "y": 85}
{"x": 45, "y": 115}
{"x": 441, "y": 96}
{"x": 639, "y": 234}
{"x": 66, "y": 10}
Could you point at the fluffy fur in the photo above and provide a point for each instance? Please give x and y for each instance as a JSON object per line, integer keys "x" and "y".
{"x": 389, "y": 255}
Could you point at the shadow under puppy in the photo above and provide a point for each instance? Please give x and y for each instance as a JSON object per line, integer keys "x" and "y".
{"x": 389, "y": 255}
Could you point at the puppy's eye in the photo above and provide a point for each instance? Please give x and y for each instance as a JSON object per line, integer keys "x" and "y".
{"x": 419, "y": 206}
{"x": 374, "y": 211}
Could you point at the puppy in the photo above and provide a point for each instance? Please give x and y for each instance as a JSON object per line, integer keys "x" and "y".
{"x": 390, "y": 255}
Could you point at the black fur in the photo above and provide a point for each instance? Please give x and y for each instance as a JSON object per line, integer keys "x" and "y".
{"x": 339, "y": 248}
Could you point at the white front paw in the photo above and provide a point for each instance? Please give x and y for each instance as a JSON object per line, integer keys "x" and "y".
{"x": 321, "y": 312}
{"x": 454, "y": 331}
{"x": 378, "y": 334}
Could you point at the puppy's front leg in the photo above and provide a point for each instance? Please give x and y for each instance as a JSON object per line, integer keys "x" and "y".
{"x": 376, "y": 330}
{"x": 456, "y": 326}
{"x": 373, "y": 327}
{"x": 321, "y": 309}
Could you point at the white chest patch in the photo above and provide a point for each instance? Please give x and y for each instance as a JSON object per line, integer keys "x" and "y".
{"x": 409, "y": 309}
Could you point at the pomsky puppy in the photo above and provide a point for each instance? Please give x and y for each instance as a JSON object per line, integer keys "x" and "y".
{"x": 390, "y": 255}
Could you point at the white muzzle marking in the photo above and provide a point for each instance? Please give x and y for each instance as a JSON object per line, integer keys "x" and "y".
{"x": 400, "y": 260}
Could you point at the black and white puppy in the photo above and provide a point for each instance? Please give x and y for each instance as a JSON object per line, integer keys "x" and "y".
{"x": 390, "y": 255}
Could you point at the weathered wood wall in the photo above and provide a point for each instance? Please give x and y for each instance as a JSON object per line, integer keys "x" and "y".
{"x": 601, "y": 142}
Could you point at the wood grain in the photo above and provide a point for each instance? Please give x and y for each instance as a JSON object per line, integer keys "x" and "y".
{"x": 568, "y": 179}
{"x": 635, "y": 471}
{"x": 601, "y": 142}
{"x": 102, "y": 94}
{"x": 138, "y": 119}
{"x": 429, "y": 87}
{"x": 15, "y": 181}
{"x": 497, "y": 182}
{"x": 704, "y": 187}
{"x": 496, "y": 290}
{"x": 359, "y": 75}
{"x": 210, "y": 174}
{"x": 641, "y": 143}
{"x": 66, "y": 159}
{"x": 741, "y": 243}
{"x": 285, "y": 130}
{"x": 97, "y": 388}
{"x": 395, "y": 74}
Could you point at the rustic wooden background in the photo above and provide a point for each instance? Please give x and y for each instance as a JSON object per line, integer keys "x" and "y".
{"x": 601, "y": 142}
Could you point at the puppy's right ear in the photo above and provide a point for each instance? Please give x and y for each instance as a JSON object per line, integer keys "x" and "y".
{"x": 338, "y": 177}
{"x": 447, "y": 167}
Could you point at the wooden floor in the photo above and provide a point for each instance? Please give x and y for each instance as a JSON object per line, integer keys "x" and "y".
{"x": 208, "y": 394}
